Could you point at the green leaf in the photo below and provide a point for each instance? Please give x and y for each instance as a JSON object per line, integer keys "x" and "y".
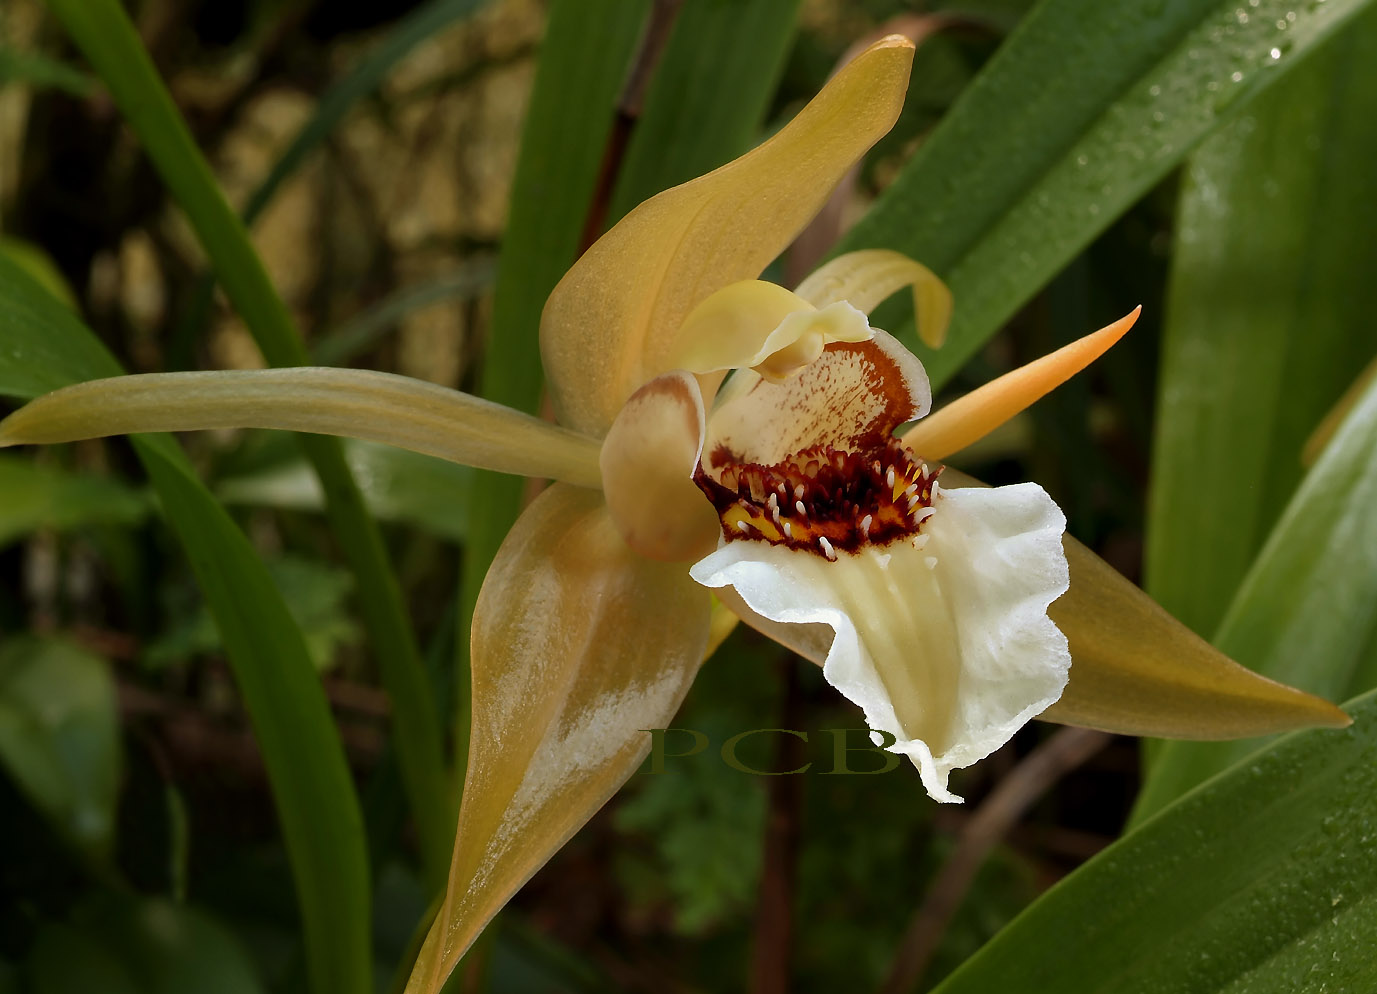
{"x": 422, "y": 23}
{"x": 1085, "y": 107}
{"x": 42, "y": 72}
{"x": 363, "y": 332}
{"x": 1306, "y": 614}
{"x": 43, "y": 346}
{"x": 399, "y": 485}
{"x": 314, "y": 592}
{"x": 151, "y": 946}
{"x": 1260, "y": 881}
{"x": 39, "y": 265}
{"x": 709, "y": 94}
{"x": 59, "y": 737}
{"x": 44, "y": 497}
{"x": 1268, "y": 318}
{"x": 363, "y": 79}
{"x": 583, "y": 62}
{"x": 103, "y": 33}
{"x": 67, "y": 961}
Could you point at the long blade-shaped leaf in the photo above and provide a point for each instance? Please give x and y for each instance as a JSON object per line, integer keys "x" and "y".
{"x": 104, "y": 34}
{"x": 334, "y": 106}
{"x": 44, "y": 345}
{"x": 708, "y": 96}
{"x": 1269, "y": 307}
{"x": 1268, "y": 318}
{"x": 363, "y": 79}
{"x": 1307, "y": 611}
{"x": 43, "y": 497}
{"x": 1059, "y": 135}
{"x": 1262, "y": 881}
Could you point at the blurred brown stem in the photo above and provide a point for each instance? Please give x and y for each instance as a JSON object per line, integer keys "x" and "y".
{"x": 657, "y": 29}
{"x": 775, "y": 913}
{"x": 1028, "y": 781}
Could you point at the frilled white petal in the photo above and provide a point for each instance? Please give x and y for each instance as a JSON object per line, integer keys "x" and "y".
{"x": 943, "y": 641}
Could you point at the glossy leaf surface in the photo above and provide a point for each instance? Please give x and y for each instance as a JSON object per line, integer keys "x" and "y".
{"x": 1269, "y": 317}
{"x": 1085, "y": 107}
{"x": 1307, "y": 611}
{"x": 1260, "y": 881}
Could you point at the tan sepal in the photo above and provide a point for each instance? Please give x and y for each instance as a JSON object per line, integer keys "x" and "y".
{"x": 648, "y": 459}
{"x": 970, "y": 418}
{"x": 865, "y": 278}
{"x": 723, "y": 623}
{"x": 1137, "y": 670}
{"x": 578, "y": 645}
{"x": 358, "y": 403}
{"x": 612, "y": 322}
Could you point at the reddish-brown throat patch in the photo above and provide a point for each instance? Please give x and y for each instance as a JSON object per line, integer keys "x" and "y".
{"x": 823, "y": 499}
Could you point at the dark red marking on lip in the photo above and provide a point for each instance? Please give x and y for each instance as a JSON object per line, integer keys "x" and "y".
{"x": 824, "y": 499}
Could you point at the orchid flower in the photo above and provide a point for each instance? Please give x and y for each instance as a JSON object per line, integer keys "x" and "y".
{"x": 950, "y": 613}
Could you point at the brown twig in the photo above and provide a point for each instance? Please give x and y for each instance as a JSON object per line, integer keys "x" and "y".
{"x": 1028, "y": 781}
{"x": 826, "y": 229}
{"x": 775, "y": 914}
{"x": 657, "y": 29}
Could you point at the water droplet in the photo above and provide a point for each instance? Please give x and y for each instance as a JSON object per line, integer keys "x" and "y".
{"x": 1158, "y": 116}
{"x": 1275, "y": 54}
{"x": 1242, "y": 15}
{"x": 1154, "y": 91}
{"x": 1082, "y": 160}
{"x": 1281, "y": 25}
{"x": 1237, "y": 77}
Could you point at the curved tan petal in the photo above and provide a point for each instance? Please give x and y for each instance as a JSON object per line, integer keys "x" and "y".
{"x": 852, "y": 397}
{"x": 970, "y": 418}
{"x": 578, "y": 645}
{"x": 358, "y": 403}
{"x": 760, "y": 325}
{"x": 648, "y": 460}
{"x": 1136, "y": 670}
{"x": 728, "y": 328}
{"x": 612, "y": 322}
{"x": 866, "y": 277}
